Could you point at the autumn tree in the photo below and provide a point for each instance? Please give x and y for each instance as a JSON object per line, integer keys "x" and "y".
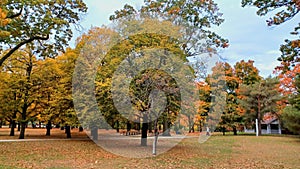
{"x": 203, "y": 104}
{"x": 246, "y": 72}
{"x": 43, "y": 26}
{"x": 291, "y": 115}
{"x": 260, "y": 98}
{"x": 288, "y": 80}
{"x": 145, "y": 90}
{"x": 194, "y": 17}
{"x": 8, "y": 99}
{"x": 50, "y": 75}
{"x": 64, "y": 96}
{"x": 22, "y": 67}
{"x": 92, "y": 47}
{"x": 218, "y": 93}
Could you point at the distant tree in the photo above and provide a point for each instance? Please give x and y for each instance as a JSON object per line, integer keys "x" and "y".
{"x": 100, "y": 114}
{"x": 64, "y": 103}
{"x": 218, "y": 94}
{"x": 203, "y": 104}
{"x": 50, "y": 75}
{"x": 260, "y": 98}
{"x": 231, "y": 117}
{"x": 291, "y": 113}
{"x": 43, "y": 26}
{"x": 246, "y": 72}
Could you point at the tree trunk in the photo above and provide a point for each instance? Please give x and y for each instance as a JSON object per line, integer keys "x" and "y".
{"x": 12, "y": 127}
{"x": 234, "y": 130}
{"x": 258, "y": 116}
{"x": 193, "y": 128}
{"x": 144, "y": 131}
{"x": 155, "y": 137}
{"x": 223, "y": 130}
{"x": 94, "y": 133}
{"x": 190, "y": 124}
{"x": 22, "y": 132}
{"x": 48, "y": 128}
{"x": 68, "y": 131}
{"x": 32, "y": 124}
{"x": 118, "y": 126}
{"x": 166, "y": 130}
{"x": 19, "y": 126}
{"x": 150, "y": 125}
{"x": 128, "y": 127}
{"x": 80, "y": 129}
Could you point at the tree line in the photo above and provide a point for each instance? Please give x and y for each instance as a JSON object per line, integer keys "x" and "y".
{"x": 37, "y": 69}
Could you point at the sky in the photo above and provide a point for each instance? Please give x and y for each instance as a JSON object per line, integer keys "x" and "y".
{"x": 248, "y": 34}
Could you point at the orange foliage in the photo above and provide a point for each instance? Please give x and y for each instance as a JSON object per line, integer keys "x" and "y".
{"x": 287, "y": 80}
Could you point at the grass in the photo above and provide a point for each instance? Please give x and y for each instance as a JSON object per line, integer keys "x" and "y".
{"x": 218, "y": 152}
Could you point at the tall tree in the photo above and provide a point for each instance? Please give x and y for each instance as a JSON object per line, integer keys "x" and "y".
{"x": 50, "y": 75}
{"x": 85, "y": 84}
{"x": 43, "y": 26}
{"x": 260, "y": 98}
{"x": 22, "y": 66}
{"x": 194, "y": 17}
{"x": 291, "y": 113}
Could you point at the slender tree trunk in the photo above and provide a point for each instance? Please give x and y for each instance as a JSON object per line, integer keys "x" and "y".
{"x": 19, "y": 126}
{"x": 32, "y": 124}
{"x": 68, "y": 131}
{"x": 191, "y": 125}
{"x": 13, "y": 121}
{"x": 150, "y": 125}
{"x": 259, "y": 115}
{"x": 223, "y": 130}
{"x": 118, "y": 126}
{"x": 155, "y": 138}
{"x": 48, "y": 128}
{"x": 144, "y": 131}
{"x": 166, "y": 130}
{"x": 193, "y": 128}
{"x": 94, "y": 133}
{"x": 234, "y": 130}
{"x": 12, "y": 127}
{"x": 128, "y": 127}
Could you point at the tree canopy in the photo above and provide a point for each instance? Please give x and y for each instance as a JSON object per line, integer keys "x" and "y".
{"x": 43, "y": 25}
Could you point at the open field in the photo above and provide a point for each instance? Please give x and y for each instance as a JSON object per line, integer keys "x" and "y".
{"x": 217, "y": 152}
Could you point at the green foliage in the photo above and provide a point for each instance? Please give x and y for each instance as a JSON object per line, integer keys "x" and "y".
{"x": 291, "y": 113}
{"x": 260, "y": 98}
{"x": 43, "y": 25}
{"x": 195, "y": 17}
{"x": 291, "y": 119}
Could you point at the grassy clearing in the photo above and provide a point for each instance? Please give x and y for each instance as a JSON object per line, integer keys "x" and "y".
{"x": 217, "y": 152}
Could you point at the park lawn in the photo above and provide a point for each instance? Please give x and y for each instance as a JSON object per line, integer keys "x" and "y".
{"x": 217, "y": 152}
